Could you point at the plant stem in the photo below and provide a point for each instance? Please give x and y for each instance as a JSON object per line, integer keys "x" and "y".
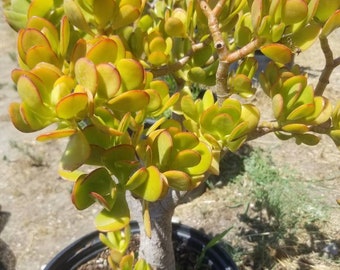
{"x": 158, "y": 249}
{"x": 331, "y": 63}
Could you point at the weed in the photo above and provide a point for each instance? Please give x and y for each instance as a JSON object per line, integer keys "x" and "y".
{"x": 284, "y": 198}
{"x": 37, "y": 161}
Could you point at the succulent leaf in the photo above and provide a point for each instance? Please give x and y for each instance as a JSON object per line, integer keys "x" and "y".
{"x": 72, "y": 106}
{"x": 151, "y": 189}
{"x": 97, "y": 182}
{"x": 331, "y": 24}
{"x": 178, "y": 180}
{"x": 76, "y": 153}
{"x": 277, "y": 52}
{"x": 129, "y": 68}
{"x": 86, "y": 74}
{"x": 294, "y": 11}
{"x": 133, "y": 101}
{"x": 115, "y": 219}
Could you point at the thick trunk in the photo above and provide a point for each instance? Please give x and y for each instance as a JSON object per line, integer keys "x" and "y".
{"x": 157, "y": 250}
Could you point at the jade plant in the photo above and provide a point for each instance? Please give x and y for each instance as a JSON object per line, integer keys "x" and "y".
{"x": 119, "y": 79}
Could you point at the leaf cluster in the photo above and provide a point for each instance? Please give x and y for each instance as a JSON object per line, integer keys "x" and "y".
{"x": 94, "y": 69}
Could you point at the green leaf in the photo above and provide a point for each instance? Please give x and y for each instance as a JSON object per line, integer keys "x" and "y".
{"x": 38, "y": 54}
{"x": 174, "y": 27}
{"x": 151, "y": 189}
{"x": 331, "y": 24}
{"x": 48, "y": 29}
{"x": 97, "y": 182}
{"x": 127, "y": 14}
{"x": 251, "y": 115}
{"x": 301, "y": 112}
{"x": 86, "y": 74}
{"x": 189, "y": 109}
{"x": 65, "y": 32}
{"x": 214, "y": 241}
{"x": 76, "y": 153}
{"x": 121, "y": 161}
{"x": 131, "y": 101}
{"x": 29, "y": 93}
{"x": 162, "y": 146}
{"x": 75, "y": 16}
{"x": 158, "y": 58}
{"x": 185, "y": 140}
{"x": 104, "y": 51}
{"x": 56, "y": 134}
{"x": 40, "y": 8}
{"x": 278, "y": 106}
{"x": 206, "y": 158}
{"x": 294, "y": 11}
{"x": 335, "y": 135}
{"x": 305, "y": 37}
{"x": 322, "y": 111}
{"x": 184, "y": 159}
{"x": 73, "y": 105}
{"x": 137, "y": 179}
{"x": 256, "y": 13}
{"x": 295, "y": 128}
{"x": 115, "y": 219}
{"x": 277, "y": 52}
{"x": 18, "y": 120}
{"x": 132, "y": 73}
{"x": 178, "y": 180}
{"x": 103, "y": 12}
{"x": 109, "y": 81}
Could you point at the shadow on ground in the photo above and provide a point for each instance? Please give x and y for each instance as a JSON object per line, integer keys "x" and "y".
{"x": 7, "y": 258}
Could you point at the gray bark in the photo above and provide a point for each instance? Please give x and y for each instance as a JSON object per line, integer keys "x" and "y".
{"x": 157, "y": 250}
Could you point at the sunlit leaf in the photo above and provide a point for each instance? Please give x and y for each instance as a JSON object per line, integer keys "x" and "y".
{"x": 132, "y": 101}
{"x": 38, "y": 54}
{"x": 129, "y": 68}
{"x": 294, "y": 11}
{"x": 17, "y": 118}
{"x": 104, "y": 51}
{"x": 72, "y": 106}
{"x": 108, "y": 81}
{"x": 277, "y": 52}
{"x": 178, "y": 180}
{"x": 331, "y": 24}
{"x": 64, "y": 35}
{"x": 56, "y": 134}
{"x": 40, "y": 8}
{"x": 86, "y": 74}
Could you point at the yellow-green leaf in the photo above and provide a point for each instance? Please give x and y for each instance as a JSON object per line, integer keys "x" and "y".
{"x": 76, "y": 153}
{"x": 86, "y": 74}
{"x": 277, "y": 52}
{"x": 56, "y": 134}
{"x": 151, "y": 189}
{"x": 178, "y": 180}
{"x": 73, "y": 105}
{"x": 131, "y": 101}
{"x": 128, "y": 69}
{"x": 108, "y": 81}
{"x": 294, "y": 11}
{"x": 115, "y": 219}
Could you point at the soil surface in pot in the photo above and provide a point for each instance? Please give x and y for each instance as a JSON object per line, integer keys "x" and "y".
{"x": 186, "y": 259}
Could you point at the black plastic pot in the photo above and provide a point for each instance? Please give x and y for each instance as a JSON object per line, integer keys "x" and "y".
{"x": 89, "y": 246}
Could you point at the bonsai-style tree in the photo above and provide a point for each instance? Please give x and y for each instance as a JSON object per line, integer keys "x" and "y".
{"x": 120, "y": 79}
